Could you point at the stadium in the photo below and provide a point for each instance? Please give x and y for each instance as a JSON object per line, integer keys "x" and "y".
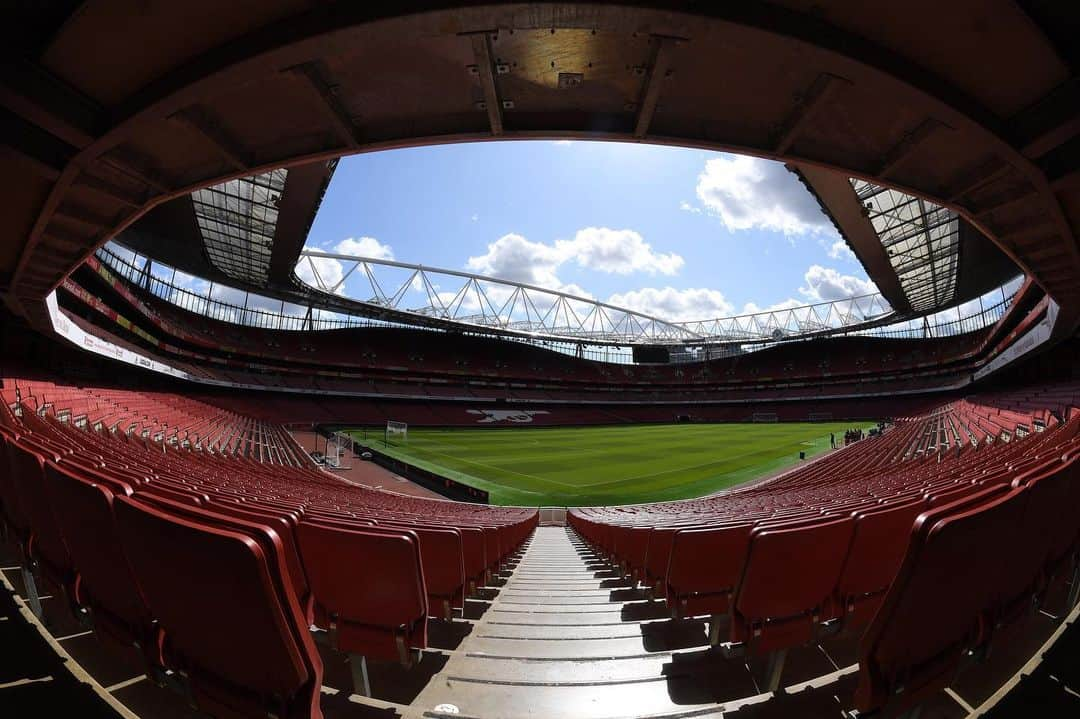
{"x": 248, "y": 472}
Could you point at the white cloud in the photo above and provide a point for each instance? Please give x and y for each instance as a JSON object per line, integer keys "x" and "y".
{"x": 752, "y": 308}
{"x": 518, "y": 259}
{"x": 748, "y": 192}
{"x": 822, "y": 284}
{"x": 515, "y": 258}
{"x": 617, "y": 251}
{"x": 474, "y": 217}
{"x": 687, "y": 207}
{"x": 331, "y": 271}
{"x": 365, "y": 247}
{"x": 825, "y": 284}
{"x": 839, "y": 250}
{"x": 675, "y": 305}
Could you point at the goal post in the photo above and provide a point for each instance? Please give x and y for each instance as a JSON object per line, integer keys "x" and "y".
{"x": 338, "y": 448}
{"x": 396, "y": 433}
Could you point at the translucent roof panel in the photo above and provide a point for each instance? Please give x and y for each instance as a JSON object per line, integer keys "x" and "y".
{"x": 921, "y": 239}
{"x": 237, "y": 220}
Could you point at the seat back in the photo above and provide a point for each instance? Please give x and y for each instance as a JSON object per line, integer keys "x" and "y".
{"x": 1048, "y": 531}
{"x": 84, "y": 509}
{"x": 370, "y": 583}
{"x": 443, "y": 565}
{"x": 878, "y": 544}
{"x": 788, "y": 579}
{"x": 224, "y": 605}
{"x": 47, "y": 544}
{"x": 284, "y": 525}
{"x": 704, "y": 568}
{"x": 657, "y": 553}
{"x": 931, "y": 613}
{"x": 10, "y": 505}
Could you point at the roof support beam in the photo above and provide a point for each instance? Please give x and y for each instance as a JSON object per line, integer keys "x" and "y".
{"x": 40, "y": 166}
{"x": 823, "y": 87}
{"x": 221, "y": 140}
{"x": 66, "y": 237}
{"x": 658, "y": 71}
{"x": 907, "y": 145}
{"x": 987, "y": 174}
{"x": 485, "y": 66}
{"x": 44, "y": 150}
{"x": 1050, "y": 122}
{"x": 328, "y": 102}
{"x": 107, "y": 189}
{"x": 82, "y": 216}
{"x": 40, "y": 98}
{"x": 132, "y": 167}
{"x": 997, "y": 204}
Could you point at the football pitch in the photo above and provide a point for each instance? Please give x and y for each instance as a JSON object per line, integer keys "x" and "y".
{"x": 582, "y": 466}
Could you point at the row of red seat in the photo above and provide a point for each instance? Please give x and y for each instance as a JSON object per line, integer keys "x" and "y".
{"x": 816, "y": 551}
{"x": 971, "y": 567}
{"x": 215, "y": 567}
{"x": 160, "y": 416}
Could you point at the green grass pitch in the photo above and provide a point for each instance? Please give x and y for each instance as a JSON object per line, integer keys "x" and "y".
{"x": 582, "y": 466}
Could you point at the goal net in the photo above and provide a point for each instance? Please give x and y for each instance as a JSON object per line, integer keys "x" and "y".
{"x": 396, "y": 433}
{"x": 338, "y": 448}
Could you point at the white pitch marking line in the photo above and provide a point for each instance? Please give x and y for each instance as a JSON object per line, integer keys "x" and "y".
{"x": 21, "y": 682}
{"x": 124, "y": 684}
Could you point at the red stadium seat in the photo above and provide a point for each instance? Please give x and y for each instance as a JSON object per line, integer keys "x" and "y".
{"x": 11, "y": 512}
{"x": 704, "y": 569}
{"x": 108, "y": 587}
{"x": 369, "y": 588}
{"x": 444, "y": 568}
{"x": 228, "y": 612}
{"x": 877, "y": 548}
{"x": 787, "y": 582}
{"x": 46, "y": 546}
{"x": 934, "y": 609}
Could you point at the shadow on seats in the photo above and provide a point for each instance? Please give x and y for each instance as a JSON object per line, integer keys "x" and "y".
{"x": 474, "y": 609}
{"x": 630, "y": 594}
{"x": 706, "y": 676}
{"x": 389, "y": 680}
{"x": 673, "y": 634}
{"x": 638, "y": 611}
{"x": 803, "y": 704}
{"x": 447, "y": 635}
{"x": 614, "y": 583}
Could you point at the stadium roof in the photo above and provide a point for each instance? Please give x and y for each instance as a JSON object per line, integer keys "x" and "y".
{"x": 238, "y": 220}
{"x": 92, "y": 146}
{"x": 401, "y": 294}
{"x": 921, "y": 240}
{"x": 416, "y": 294}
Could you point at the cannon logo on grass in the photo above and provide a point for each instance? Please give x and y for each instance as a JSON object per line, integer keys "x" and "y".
{"x": 517, "y": 416}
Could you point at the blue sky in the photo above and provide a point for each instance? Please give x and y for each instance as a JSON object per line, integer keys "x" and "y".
{"x": 684, "y": 234}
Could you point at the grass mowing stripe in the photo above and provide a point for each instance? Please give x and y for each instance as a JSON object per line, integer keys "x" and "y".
{"x": 611, "y": 464}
